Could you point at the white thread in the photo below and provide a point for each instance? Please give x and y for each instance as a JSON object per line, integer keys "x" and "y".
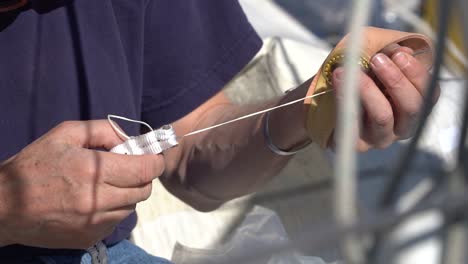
{"x": 417, "y": 53}
{"x": 124, "y": 135}
{"x": 119, "y": 130}
{"x": 159, "y": 140}
{"x": 255, "y": 114}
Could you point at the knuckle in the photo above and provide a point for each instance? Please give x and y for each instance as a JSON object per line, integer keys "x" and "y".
{"x": 67, "y": 131}
{"x": 66, "y": 125}
{"x": 412, "y": 112}
{"x": 383, "y": 119}
{"x": 395, "y": 78}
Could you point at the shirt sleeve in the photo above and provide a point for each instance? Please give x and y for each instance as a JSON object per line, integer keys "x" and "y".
{"x": 192, "y": 49}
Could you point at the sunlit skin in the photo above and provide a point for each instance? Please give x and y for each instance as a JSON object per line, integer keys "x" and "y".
{"x": 59, "y": 192}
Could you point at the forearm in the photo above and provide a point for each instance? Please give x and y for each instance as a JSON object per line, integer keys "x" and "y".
{"x": 5, "y": 209}
{"x": 233, "y": 160}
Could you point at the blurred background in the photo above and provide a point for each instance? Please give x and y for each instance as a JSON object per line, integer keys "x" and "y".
{"x": 298, "y": 35}
{"x": 327, "y": 19}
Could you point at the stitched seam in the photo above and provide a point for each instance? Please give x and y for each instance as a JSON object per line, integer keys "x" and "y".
{"x": 98, "y": 254}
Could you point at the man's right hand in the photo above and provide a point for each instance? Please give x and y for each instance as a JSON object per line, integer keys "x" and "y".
{"x": 59, "y": 192}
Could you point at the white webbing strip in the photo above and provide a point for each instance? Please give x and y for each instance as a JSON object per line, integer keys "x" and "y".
{"x": 153, "y": 142}
{"x": 159, "y": 140}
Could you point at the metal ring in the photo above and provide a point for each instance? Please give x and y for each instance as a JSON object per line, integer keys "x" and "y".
{"x": 272, "y": 146}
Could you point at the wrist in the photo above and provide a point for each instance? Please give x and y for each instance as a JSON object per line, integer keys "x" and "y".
{"x": 287, "y": 126}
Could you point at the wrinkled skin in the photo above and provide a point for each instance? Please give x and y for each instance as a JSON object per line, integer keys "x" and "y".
{"x": 59, "y": 193}
{"x": 391, "y": 99}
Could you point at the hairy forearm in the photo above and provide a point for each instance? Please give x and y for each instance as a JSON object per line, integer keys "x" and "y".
{"x": 233, "y": 160}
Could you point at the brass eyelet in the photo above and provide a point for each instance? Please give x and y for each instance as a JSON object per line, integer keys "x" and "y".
{"x": 336, "y": 61}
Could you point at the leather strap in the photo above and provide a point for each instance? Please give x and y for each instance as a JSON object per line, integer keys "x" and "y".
{"x": 321, "y": 118}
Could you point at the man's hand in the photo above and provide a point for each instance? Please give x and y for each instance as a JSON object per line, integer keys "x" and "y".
{"x": 60, "y": 193}
{"x": 392, "y": 99}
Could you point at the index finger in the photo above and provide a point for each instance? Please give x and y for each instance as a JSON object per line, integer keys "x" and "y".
{"x": 125, "y": 171}
{"x": 415, "y": 71}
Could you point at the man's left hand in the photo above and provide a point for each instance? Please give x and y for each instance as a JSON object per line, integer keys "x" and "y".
{"x": 391, "y": 97}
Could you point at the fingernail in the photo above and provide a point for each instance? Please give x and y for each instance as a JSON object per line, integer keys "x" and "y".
{"x": 339, "y": 74}
{"x": 401, "y": 60}
{"x": 392, "y": 47}
{"x": 379, "y": 61}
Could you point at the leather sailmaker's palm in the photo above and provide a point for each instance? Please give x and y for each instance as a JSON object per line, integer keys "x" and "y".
{"x": 321, "y": 117}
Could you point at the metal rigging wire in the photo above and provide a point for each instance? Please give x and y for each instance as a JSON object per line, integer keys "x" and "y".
{"x": 452, "y": 205}
{"x": 456, "y": 230}
{"x": 386, "y": 219}
{"x": 462, "y": 149}
{"x": 345, "y": 174}
{"x": 390, "y": 192}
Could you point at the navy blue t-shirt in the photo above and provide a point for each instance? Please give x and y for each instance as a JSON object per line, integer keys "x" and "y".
{"x": 152, "y": 60}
